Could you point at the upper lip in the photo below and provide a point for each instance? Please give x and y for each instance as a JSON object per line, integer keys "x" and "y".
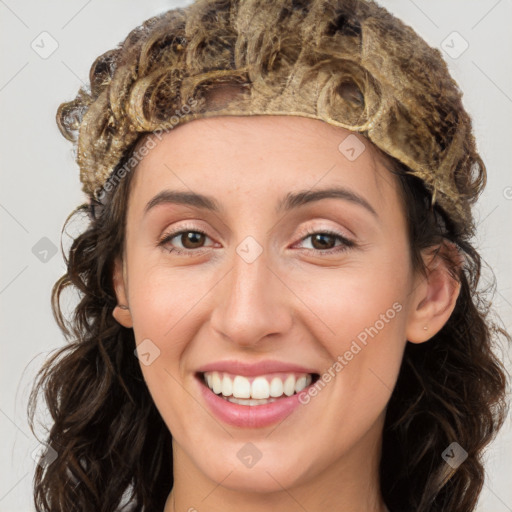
{"x": 252, "y": 369}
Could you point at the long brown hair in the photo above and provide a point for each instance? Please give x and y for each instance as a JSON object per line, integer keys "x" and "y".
{"x": 114, "y": 450}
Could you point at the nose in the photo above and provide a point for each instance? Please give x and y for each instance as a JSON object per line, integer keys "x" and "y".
{"x": 253, "y": 303}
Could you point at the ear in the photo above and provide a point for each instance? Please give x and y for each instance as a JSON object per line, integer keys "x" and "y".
{"x": 435, "y": 296}
{"x": 121, "y": 312}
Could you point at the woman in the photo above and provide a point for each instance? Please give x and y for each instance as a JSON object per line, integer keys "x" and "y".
{"x": 279, "y": 305}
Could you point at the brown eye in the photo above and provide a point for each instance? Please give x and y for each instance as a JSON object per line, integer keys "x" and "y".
{"x": 192, "y": 239}
{"x": 186, "y": 241}
{"x": 323, "y": 241}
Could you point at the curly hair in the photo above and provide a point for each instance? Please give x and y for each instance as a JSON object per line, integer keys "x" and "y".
{"x": 114, "y": 449}
{"x": 347, "y": 62}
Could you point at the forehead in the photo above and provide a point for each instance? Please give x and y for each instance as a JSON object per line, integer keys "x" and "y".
{"x": 261, "y": 157}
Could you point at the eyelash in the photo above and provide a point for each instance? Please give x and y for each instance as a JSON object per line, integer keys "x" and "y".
{"x": 169, "y": 236}
{"x": 346, "y": 243}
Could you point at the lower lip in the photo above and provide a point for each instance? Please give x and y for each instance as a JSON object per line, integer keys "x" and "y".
{"x": 249, "y": 416}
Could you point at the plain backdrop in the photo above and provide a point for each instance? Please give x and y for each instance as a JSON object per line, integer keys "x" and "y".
{"x": 46, "y": 52}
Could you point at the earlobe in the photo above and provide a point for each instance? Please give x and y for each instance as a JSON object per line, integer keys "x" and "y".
{"x": 122, "y": 311}
{"x": 435, "y": 297}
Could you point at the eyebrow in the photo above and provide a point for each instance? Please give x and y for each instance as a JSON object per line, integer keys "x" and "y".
{"x": 291, "y": 201}
{"x": 297, "y": 199}
{"x": 186, "y": 198}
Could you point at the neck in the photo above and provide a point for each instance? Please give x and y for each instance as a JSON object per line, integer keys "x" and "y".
{"x": 350, "y": 483}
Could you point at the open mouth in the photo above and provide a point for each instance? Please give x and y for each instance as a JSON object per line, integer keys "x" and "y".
{"x": 256, "y": 390}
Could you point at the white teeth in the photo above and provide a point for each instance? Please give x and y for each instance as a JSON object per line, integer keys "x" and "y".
{"x": 276, "y": 387}
{"x": 227, "y": 386}
{"x": 241, "y": 401}
{"x": 255, "y": 390}
{"x": 289, "y": 385}
{"x": 300, "y": 384}
{"x": 241, "y": 387}
{"x": 216, "y": 383}
{"x": 260, "y": 388}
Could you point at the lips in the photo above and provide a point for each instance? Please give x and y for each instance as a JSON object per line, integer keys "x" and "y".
{"x": 253, "y": 395}
{"x": 254, "y": 369}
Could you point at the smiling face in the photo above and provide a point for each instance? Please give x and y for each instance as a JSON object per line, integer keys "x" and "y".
{"x": 303, "y": 270}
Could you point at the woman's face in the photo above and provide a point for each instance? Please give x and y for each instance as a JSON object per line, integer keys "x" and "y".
{"x": 303, "y": 269}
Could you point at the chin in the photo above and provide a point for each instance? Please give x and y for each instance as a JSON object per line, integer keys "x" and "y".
{"x": 258, "y": 479}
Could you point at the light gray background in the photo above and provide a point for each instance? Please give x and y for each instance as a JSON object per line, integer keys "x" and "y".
{"x": 40, "y": 185}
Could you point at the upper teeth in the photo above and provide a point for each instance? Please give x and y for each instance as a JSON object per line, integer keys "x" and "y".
{"x": 260, "y": 387}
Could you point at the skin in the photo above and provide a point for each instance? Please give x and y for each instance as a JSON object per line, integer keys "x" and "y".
{"x": 213, "y": 305}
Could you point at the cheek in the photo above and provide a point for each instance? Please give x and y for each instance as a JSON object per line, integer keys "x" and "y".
{"x": 356, "y": 303}
{"x": 165, "y": 305}
{"x": 165, "y": 300}
{"x": 361, "y": 324}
